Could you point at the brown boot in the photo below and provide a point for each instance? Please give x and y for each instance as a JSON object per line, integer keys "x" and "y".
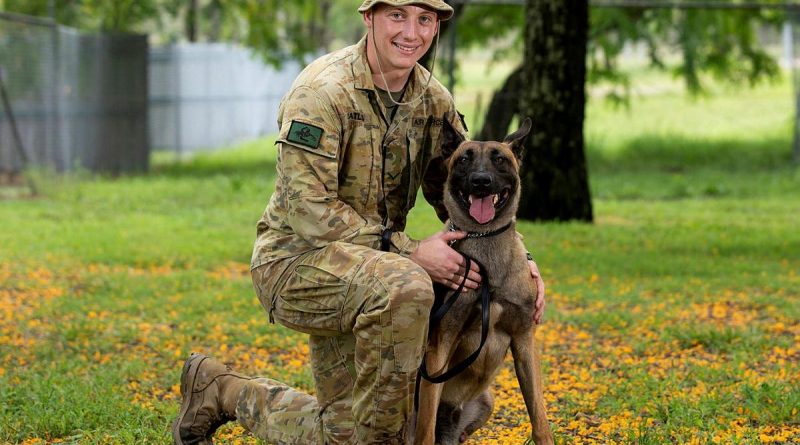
{"x": 209, "y": 393}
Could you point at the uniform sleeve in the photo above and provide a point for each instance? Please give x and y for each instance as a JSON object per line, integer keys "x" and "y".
{"x": 309, "y": 144}
{"x": 436, "y": 173}
{"x": 310, "y": 141}
{"x": 404, "y": 244}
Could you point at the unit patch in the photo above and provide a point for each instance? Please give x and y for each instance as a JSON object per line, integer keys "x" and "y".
{"x": 304, "y": 134}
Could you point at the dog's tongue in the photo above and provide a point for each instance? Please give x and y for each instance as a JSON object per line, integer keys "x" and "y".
{"x": 481, "y": 209}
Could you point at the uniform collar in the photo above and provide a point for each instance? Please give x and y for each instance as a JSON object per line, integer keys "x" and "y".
{"x": 363, "y": 74}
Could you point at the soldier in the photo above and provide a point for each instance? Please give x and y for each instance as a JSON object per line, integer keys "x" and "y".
{"x": 360, "y": 131}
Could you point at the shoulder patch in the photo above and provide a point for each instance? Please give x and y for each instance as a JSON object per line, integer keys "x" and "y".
{"x": 305, "y": 134}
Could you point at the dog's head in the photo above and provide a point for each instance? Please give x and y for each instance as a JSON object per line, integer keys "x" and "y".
{"x": 483, "y": 187}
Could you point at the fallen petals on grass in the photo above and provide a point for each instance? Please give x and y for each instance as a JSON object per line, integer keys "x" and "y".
{"x": 617, "y": 382}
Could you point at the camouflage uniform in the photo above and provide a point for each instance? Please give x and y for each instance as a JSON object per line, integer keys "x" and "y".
{"x": 345, "y": 173}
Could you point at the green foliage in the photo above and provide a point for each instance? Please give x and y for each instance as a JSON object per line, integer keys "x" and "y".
{"x": 95, "y": 15}
{"x": 480, "y": 26}
{"x": 609, "y": 32}
{"x": 116, "y": 15}
{"x": 65, "y": 11}
{"x": 276, "y": 29}
{"x": 720, "y": 43}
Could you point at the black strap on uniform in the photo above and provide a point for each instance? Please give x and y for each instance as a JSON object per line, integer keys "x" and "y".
{"x": 386, "y": 239}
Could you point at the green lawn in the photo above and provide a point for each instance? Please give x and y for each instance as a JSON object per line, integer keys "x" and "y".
{"x": 674, "y": 318}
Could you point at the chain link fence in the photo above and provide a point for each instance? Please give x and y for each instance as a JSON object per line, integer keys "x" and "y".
{"x": 207, "y": 95}
{"x": 76, "y": 100}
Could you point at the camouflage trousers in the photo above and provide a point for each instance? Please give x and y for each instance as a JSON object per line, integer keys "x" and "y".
{"x": 367, "y": 315}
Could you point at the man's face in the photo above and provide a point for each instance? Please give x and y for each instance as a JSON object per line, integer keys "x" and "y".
{"x": 402, "y": 34}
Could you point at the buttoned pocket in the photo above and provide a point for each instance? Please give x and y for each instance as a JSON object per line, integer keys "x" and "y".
{"x": 314, "y": 295}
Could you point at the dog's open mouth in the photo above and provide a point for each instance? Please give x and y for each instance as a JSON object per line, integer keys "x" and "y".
{"x": 483, "y": 208}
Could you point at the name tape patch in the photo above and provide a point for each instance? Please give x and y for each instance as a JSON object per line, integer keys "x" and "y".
{"x": 355, "y": 116}
{"x": 305, "y": 134}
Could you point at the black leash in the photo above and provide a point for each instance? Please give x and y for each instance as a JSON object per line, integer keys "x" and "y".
{"x": 439, "y": 311}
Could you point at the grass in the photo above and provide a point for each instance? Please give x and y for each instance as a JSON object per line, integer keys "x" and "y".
{"x": 673, "y": 319}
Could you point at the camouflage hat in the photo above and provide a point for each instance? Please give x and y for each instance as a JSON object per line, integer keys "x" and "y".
{"x": 442, "y": 9}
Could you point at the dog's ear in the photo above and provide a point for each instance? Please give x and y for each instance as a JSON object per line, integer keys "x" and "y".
{"x": 517, "y": 139}
{"x": 451, "y": 138}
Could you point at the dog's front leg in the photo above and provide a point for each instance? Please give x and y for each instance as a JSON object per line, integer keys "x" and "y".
{"x": 527, "y": 367}
{"x": 430, "y": 393}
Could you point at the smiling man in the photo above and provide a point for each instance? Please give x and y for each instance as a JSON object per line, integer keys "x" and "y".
{"x": 360, "y": 133}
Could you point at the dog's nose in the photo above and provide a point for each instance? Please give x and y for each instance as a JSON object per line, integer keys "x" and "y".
{"x": 480, "y": 179}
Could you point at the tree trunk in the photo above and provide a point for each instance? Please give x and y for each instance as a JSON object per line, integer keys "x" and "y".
{"x": 502, "y": 109}
{"x": 214, "y": 15}
{"x": 319, "y": 27}
{"x": 555, "y": 182}
{"x": 191, "y": 21}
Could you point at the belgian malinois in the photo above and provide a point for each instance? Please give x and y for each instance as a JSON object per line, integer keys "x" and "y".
{"x": 482, "y": 193}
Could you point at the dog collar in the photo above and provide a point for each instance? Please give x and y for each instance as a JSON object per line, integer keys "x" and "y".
{"x": 453, "y": 228}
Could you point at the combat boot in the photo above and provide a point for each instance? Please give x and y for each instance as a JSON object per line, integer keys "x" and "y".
{"x": 209, "y": 392}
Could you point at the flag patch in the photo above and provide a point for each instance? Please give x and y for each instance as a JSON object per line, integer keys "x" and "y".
{"x": 304, "y": 134}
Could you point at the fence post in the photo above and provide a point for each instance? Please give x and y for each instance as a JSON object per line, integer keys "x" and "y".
{"x": 177, "y": 94}
{"x": 791, "y": 24}
{"x": 15, "y": 134}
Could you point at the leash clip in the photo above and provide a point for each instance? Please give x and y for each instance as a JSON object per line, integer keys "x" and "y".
{"x": 451, "y": 228}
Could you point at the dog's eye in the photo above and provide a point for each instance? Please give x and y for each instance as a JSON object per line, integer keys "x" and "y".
{"x": 499, "y": 160}
{"x": 463, "y": 159}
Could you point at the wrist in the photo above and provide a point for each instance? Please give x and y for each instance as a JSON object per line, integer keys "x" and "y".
{"x": 398, "y": 242}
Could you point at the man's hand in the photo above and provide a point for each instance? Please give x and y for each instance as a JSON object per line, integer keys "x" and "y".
{"x": 443, "y": 263}
{"x": 539, "y": 306}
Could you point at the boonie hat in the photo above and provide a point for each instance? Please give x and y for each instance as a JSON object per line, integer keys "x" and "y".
{"x": 442, "y": 9}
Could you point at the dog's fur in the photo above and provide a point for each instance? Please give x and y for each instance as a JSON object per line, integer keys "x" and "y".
{"x": 451, "y": 411}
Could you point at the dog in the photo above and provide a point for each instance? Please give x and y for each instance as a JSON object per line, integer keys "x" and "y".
{"x": 481, "y": 194}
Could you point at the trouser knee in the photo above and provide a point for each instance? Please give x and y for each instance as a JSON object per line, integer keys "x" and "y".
{"x": 402, "y": 308}
{"x": 408, "y": 287}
